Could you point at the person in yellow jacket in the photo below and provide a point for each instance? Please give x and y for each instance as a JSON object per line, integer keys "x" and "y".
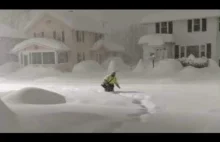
{"x": 109, "y": 82}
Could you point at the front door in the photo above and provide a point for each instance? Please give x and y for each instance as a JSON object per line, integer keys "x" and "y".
{"x": 25, "y": 60}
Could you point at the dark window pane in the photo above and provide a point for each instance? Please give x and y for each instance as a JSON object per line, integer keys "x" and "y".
{"x": 157, "y": 28}
{"x": 36, "y": 58}
{"x": 194, "y": 50}
{"x": 204, "y": 24}
{"x": 196, "y": 25}
{"x": 170, "y": 27}
{"x": 54, "y": 34}
{"x": 48, "y": 58}
{"x": 176, "y": 51}
{"x": 189, "y": 25}
{"x": 63, "y": 36}
{"x": 164, "y": 27}
{"x": 209, "y": 50}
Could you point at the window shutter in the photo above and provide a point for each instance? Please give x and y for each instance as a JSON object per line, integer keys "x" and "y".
{"x": 189, "y": 25}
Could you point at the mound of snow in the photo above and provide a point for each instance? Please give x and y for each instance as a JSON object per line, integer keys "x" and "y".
{"x": 167, "y": 67}
{"x": 190, "y": 73}
{"x": 35, "y": 72}
{"x": 8, "y": 119}
{"x": 34, "y": 96}
{"x": 213, "y": 67}
{"x": 139, "y": 67}
{"x": 117, "y": 64}
{"x": 87, "y": 67}
{"x": 8, "y": 68}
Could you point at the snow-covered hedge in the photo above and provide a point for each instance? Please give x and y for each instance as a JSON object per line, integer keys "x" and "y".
{"x": 195, "y": 62}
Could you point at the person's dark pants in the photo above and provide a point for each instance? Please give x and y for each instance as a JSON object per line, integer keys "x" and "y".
{"x": 108, "y": 87}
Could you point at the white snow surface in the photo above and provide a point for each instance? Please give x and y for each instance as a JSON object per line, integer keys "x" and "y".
{"x": 33, "y": 72}
{"x": 9, "y": 67}
{"x": 34, "y": 96}
{"x": 167, "y": 67}
{"x": 116, "y": 64}
{"x": 45, "y": 42}
{"x": 87, "y": 66}
{"x": 109, "y": 45}
{"x": 140, "y": 67}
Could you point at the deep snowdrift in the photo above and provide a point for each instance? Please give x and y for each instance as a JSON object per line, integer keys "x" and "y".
{"x": 88, "y": 66}
{"x": 33, "y": 72}
{"x": 8, "y": 119}
{"x": 8, "y": 68}
{"x": 34, "y": 96}
{"x": 117, "y": 64}
{"x": 167, "y": 67}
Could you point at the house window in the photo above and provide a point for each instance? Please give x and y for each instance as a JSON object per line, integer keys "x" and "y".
{"x": 35, "y": 35}
{"x": 80, "y": 36}
{"x": 194, "y": 50}
{"x": 63, "y": 36}
{"x": 164, "y": 27}
{"x": 42, "y": 34}
{"x": 157, "y": 28}
{"x": 182, "y": 51}
{"x": 21, "y": 58}
{"x": 83, "y": 54}
{"x": 62, "y": 57}
{"x": 36, "y": 58}
{"x": 196, "y": 25}
{"x": 204, "y": 24}
{"x": 170, "y": 25}
{"x": 209, "y": 50}
{"x": 176, "y": 56}
{"x": 54, "y": 34}
{"x": 48, "y": 58}
{"x": 189, "y": 25}
{"x": 79, "y": 59}
{"x": 202, "y": 50}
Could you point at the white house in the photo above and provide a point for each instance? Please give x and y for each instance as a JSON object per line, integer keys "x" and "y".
{"x": 9, "y": 37}
{"x": 104, "y": 49}
{"x": 183, "y": 32}
{"x": 78, "y": 33}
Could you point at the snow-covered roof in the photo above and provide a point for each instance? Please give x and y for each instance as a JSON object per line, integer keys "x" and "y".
{"x": 45, "y": 42}
{"x": 156, "y": 39}
{"x": 173, "y": 15}
{"x": 83, "y": 23}
{"x": 110, "y": 46}
{"x": 6, "y": 31}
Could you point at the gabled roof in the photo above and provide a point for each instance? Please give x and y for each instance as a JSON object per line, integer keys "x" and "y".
{"x": 6, "y": 31}
{"x": 173, "y": 15}
{"x": 83, "y": 23}
{"x": 45, "y": 42}
{"x": 110, "y": 46}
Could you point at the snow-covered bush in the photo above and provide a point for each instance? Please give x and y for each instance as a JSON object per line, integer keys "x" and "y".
{"x": 195, "y": 62}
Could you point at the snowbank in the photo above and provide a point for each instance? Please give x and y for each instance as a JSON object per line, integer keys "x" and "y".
{"x": 117, "y": 64}
{"x": 87, "y": 67}
{"x": 34, "y": 96}
{"x": 139, "y": 67}
{"x": 109, "y": 45}
{"x": 32, "y": 72}
{"x": 8, "y": 68}
{"x": 213, "y": 67}
{"x": 166, "y": 67}
{"x": 8, "y": 119}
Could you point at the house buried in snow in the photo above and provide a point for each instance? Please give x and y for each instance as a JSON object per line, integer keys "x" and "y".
{"x": 104, "y": 49}
{"x": 179, "y": 33}
{"x": 43, "y": 51}
{"x": 78, "y": 33}
{"x": 9, "y": 37}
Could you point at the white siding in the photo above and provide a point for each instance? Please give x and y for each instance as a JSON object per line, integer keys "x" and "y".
{"x": 183, "y": 38}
